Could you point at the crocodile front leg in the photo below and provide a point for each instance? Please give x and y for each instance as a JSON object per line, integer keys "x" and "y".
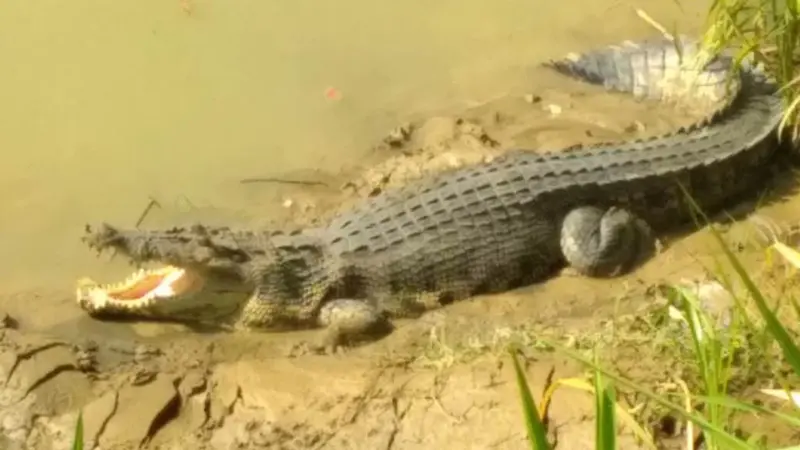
{"x": 343, "y": 321}
{"x": 598, "y": 242}
{"x": 347, "y": 320}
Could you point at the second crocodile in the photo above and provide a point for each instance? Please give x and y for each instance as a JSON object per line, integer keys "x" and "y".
{"x": 482, "y": 229}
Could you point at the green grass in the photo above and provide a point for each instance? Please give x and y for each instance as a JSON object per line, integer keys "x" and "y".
{"x": 77, "y": 441}
{"x": 713, "y": 357}
{"x": 714, "y": 354}
{"x": 769, "y": 32}
{"x": 537, "y": 433}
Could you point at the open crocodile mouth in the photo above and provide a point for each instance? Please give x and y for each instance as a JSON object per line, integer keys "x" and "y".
{"x": 139, "y": 292}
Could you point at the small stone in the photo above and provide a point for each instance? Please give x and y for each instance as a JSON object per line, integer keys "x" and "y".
{"x": 398, "y": 136}
{"x": 15, "y": 420}
{"x": 554, "y": 110}
{"x": 142, "y": 377}
{"x": 530, "y": 98}
{"x": 7, "y": 321}
{"x": 144, "y": 352}
{"x": 192, "y": 383}
{"x": 87, "y": 360}
{"x": 88, "y": 345}
{"x": 472, "y": 129}
{"x": 452, "y": 160}
{"x": 635, "y": 127}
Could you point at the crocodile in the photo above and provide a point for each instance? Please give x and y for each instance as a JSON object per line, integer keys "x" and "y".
{"x": 487, "y": 228}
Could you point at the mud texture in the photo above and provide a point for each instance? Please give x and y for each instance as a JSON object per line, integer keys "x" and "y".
{"x": 172, "y": 396}
{"x": 550, "y": 120}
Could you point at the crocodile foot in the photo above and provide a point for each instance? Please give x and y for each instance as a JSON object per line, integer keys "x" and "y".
{"x": 605, "y": 242}
{"x": 348, "y": 321}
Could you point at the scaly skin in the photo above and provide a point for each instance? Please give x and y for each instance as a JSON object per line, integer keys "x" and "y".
{"x": 495, "y": 226}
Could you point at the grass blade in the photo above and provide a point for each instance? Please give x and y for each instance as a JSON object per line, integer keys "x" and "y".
{"x": 537, "y": 434}
{"x": 77, "y": 443}
{"x": 790, "y": 350}
{"x": 725, "y": 439}
{"x": 606, "y": 423}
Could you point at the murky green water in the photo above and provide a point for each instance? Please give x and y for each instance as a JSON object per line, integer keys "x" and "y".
{"x": 106, "y": 104}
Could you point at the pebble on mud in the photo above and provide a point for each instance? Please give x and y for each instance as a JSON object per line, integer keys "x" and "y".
{"x": 144, "y": 352}
{"x": 715, "y": 300}
{"x": 399, "y": 136}
{"x": 143, "y": 376}
{"x": 530, "y": 98}
{"x": 635, "y": 127}
{"x": 7, "y": 321}
{"x": 86, "y": 355}
{"x": 554, "y": 110}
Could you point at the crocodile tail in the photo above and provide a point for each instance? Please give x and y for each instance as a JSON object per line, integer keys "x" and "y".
{"x": 669, "y": 71}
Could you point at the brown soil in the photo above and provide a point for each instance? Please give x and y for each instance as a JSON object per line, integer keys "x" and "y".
{"x": 440, "y": 381}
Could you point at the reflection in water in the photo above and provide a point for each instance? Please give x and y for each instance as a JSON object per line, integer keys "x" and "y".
{"x": 106, "y": 105}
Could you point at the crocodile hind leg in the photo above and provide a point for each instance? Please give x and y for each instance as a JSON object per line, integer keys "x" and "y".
{"x": 605, "y": 242}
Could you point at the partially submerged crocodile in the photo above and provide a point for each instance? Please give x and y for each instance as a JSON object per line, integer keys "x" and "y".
{"x": 482, "y": 229}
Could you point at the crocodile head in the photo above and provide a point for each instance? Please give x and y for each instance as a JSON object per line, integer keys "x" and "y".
{"x": 190, "y": 261}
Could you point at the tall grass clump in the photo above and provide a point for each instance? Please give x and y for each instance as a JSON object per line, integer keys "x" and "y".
{"x": 766, "y": 31}
{"x": 712, "y": 351}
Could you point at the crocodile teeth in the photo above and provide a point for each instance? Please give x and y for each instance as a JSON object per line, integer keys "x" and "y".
{"x": 140, "y": 290}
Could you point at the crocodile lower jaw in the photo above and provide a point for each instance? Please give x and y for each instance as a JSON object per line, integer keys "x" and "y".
{"x": 138, "y": 293}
